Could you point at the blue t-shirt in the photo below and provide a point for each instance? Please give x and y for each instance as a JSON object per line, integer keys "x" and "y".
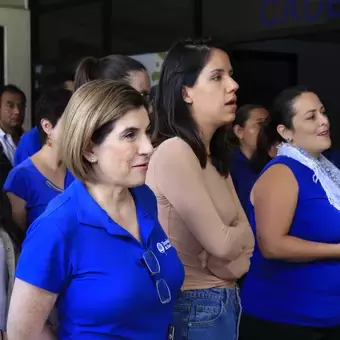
{"x": 28, "y": 183}
{"x": 306, "y": 294}
{"x": 243, "y": 177}
{"x": 28, "y": 145}
{"x": 105, "y": 288}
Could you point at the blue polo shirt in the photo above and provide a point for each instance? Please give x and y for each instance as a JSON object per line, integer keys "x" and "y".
{"x": 105, "y": 288}
{"x": 243, "y": 177}
{"x": 28, "y": 183}
{"x": 28, "y": 145}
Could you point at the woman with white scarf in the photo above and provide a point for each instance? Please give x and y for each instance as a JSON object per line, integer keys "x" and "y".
{"x": 292, "y": 290}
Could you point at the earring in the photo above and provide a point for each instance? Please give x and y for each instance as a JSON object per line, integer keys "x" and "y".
{"x": 93, "y": 159}
{"x": 289, "y": 139}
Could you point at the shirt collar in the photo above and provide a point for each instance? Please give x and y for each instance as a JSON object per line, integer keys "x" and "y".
{"x": 91, "y": 214}
{"x": 2, "y": 133}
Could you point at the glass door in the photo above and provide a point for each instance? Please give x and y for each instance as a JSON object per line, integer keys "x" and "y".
{"x": 15, "y": 52}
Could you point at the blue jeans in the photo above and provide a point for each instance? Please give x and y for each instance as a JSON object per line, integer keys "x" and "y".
{"x": 207, "y": 314}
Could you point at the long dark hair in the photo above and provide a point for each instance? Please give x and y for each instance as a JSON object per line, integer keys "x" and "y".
{"x": 7, "y": 223}
{"x": 114, "y": 67}
{"x": 282, "y": 112}
{"x": 171, "y": 116}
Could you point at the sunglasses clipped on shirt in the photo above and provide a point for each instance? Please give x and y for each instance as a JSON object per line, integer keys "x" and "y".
{"x": 153, "y": 266}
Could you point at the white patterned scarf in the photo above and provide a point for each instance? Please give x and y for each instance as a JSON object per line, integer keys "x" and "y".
{"x": 323, "y": 171}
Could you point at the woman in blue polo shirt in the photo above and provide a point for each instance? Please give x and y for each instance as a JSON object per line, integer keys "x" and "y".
{"x": 246, "y": 127}
{"x": 36, "y": 181}
{"x": 103, "y": 257}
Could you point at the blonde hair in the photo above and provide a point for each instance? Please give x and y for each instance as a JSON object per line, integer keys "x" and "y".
{"x": 89, "y": 117}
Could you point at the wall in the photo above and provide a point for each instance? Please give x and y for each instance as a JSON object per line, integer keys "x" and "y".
{"x": 318, "y": 68}
{"x": 79, "y": 26}
{"x": 18, "y": 52}
{"x": 153, "y": 63}
{"x": 14, "y": 3}
{"x": 136, "y": 26}
{"x": 153, "y": 25}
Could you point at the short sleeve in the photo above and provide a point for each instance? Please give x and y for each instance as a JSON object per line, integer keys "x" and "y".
{"x": 17, "y": 183}
{"x": 44, "y": 260}
{"x": 28, "y": 145}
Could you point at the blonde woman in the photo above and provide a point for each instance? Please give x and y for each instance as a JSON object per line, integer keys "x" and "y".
{"x": 103, "y": 257}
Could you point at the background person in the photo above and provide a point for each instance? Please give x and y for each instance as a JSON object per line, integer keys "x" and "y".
{"x": 246, "y": 127}
{"x": 36, "y": 181}
{"x": 12, "y": 115}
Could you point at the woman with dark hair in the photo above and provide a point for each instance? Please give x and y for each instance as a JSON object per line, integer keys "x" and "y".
{"x": 292, "y": 290}
{"x": 197, "y": 203}
{"x": 115, "y": 67}
{"x": 246, "y": 127}
{"x": 36, "y": 181}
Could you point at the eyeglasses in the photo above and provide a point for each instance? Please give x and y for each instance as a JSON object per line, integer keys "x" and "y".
{"x": 153, "y": 266}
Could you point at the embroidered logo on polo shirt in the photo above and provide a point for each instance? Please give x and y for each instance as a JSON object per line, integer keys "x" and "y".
{"x": 164, "y": 246}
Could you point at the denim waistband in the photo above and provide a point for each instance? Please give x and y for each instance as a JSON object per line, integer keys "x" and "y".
{"x": 211, "y": 293}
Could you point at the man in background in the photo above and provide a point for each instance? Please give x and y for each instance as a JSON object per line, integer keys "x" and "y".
{"x": 12, "y": 115}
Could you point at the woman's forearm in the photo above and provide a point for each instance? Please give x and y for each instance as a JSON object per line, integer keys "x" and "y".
{"x": 295, "y": 249}
{"x": 230, "y": 270}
